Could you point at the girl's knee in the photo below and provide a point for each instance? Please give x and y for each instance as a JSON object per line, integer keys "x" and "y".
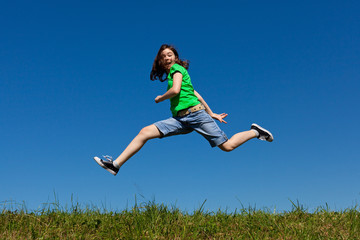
{"x": 144, "y": 132}
{"x": 226, "y": 147}
{"x": 148, "y": 132}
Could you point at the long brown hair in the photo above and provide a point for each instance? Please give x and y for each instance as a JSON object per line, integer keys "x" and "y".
{"x": 158, "y": 70}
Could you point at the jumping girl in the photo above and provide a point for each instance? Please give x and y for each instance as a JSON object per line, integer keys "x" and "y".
{"x": 189, "y": 112}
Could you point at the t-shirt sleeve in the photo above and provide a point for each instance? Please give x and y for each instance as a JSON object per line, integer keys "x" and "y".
{"x": 177, "y": 68}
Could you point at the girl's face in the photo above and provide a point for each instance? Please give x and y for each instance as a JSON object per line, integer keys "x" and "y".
{"x": 168, "y": 58}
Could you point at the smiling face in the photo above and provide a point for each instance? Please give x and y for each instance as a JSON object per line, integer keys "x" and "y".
{"x": 168, "y": 58}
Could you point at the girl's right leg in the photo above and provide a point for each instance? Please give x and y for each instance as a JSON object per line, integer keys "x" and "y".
{"x": 137, "y": 143}
{"x": 164, "y": 128}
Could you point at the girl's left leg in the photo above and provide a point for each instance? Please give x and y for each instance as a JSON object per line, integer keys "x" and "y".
{"x": 236, "y": 140}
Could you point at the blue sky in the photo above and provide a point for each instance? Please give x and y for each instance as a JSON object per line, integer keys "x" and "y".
{"x": 74, "y": 83}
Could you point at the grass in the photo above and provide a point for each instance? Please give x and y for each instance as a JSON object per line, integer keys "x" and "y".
{"x": 158, "y": 221}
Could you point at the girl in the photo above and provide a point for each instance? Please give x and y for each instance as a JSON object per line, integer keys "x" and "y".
{"x": 189, "y": 112}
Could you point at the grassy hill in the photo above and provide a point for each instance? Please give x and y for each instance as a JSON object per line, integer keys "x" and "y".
{"x": 157, "y": 221}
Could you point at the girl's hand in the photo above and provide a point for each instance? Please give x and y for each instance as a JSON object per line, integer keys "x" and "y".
{"x": 219, "y": 117}
{"x": 157, "y": 99}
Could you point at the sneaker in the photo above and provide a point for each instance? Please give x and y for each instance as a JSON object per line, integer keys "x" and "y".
{"x": 107, "y": 164}
{"x": 264, "y": 134}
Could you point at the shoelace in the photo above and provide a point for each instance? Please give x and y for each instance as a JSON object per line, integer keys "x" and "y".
{"x": 109, "y": 158}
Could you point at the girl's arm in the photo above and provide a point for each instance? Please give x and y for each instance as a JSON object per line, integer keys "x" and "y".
{"x": 216, "y": 116}
{"x": 172, "y": 92}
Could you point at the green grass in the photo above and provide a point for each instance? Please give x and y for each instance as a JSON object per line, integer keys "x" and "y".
{"x": 158, "y": 221}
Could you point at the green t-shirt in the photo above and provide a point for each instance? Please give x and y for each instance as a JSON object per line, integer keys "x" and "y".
{"x": 186, "y": 98}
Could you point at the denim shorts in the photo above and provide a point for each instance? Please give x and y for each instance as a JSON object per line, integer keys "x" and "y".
{"x": 199, "y": 121}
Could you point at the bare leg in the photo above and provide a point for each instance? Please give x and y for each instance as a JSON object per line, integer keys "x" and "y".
{"x": 236, "y": 140}
{"x": 138, "y": 142}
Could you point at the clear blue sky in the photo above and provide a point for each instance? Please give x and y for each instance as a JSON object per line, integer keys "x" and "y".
{"x": 74, "y": 83}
